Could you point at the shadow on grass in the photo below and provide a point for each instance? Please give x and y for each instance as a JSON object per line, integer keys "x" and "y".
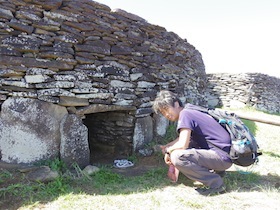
{"x": 105, "y": 182}
{"x": 240, "y": 182}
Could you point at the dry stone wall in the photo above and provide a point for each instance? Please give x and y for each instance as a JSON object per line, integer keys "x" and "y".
{"x": 76, "y": 53}
{"x": 250, "y": 89}
{"x": 81, "y": 55}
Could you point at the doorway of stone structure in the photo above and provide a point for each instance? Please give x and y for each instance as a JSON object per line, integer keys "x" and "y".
{"x": 110, "y": 134}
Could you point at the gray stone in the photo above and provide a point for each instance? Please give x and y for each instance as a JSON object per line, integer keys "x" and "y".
{"x": 16, "y": 83}
{"x": 56, "y": 84}
{"x": 161, "y": 124}
{"x": 213, "y": 102}
{"x": 123, "y": 102}
{"x": 42, "y": 174}
{"x": 29, "y": 130}
{"x": 9, "y": 51}
{"x": 117, "y": 83}
{"x": 143, "y": 132}
{"x": 246, "y": 89}
{"x": 73, "y": 101}
{"x": 135, "y": 76}
{"x": 33, "y": 62}
{"x": 129, "y": 15}
{"x": 95, "y": 108}
{"x": 36, "y": 78}
{"x": 145, "y": 152}
{"x": 143, "y": 84}
{"x": 74, "y": 147}
{"x": 89, "y": 170}
{"x": 48, "y": 5}
{"x": 96, "y": 47}
{"x": 121, "y": 50}
{"x": 6, "y": 14}
{"x": 22, "y": 27}
{"x": 61, "y": 15}
{"x": 95, "y": 95}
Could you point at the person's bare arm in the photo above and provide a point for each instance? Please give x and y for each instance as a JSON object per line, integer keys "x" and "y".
{"x": 172, "y": 142}
{"x": 182, "y": 142}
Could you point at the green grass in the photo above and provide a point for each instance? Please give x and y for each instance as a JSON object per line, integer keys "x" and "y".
{"x": 254, "y": 187}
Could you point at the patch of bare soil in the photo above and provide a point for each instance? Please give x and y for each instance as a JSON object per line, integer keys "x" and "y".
{"x": 141, "y": 164}
{"x": 11, "y": 177}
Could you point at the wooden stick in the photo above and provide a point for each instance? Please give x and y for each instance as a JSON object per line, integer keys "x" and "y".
{"x": 258, "y": 119}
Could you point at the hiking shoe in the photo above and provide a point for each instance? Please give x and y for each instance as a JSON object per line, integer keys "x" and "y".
{"x": 211, "y": 191}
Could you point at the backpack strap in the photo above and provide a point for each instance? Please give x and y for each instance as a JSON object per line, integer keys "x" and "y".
{"x": 216, "y": 117}
{"x": 196, "y": 107}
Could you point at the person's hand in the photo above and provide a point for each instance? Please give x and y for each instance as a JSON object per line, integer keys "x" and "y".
{"x": 167, "y": 159}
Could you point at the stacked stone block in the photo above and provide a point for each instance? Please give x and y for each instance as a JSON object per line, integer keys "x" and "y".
{"x": 249, "y": 89}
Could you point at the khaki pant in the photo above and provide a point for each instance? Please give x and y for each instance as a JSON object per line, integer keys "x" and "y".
{"x": 196, "y": 163}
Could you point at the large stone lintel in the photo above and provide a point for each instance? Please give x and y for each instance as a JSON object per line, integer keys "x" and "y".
{"x": 95, "y": 108}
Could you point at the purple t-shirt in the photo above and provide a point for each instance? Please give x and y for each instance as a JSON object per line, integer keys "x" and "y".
{"x": 204, "y": 127}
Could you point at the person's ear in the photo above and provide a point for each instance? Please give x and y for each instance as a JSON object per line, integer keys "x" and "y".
{"x": 176, "y": 104}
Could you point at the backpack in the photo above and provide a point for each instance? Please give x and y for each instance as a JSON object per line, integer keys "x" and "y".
{"x": 244, "y": 147}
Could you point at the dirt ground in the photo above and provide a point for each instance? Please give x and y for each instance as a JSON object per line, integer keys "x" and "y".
{"x": 141, "y": 164}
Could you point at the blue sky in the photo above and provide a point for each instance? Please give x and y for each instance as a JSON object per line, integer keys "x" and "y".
{"x": 233, "y": 36}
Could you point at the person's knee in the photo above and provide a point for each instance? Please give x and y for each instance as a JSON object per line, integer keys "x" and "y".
{"x": 174, "y": 156}
{"x": 179, "y": 157}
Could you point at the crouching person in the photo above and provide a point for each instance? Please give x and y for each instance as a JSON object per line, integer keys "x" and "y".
{"x": 204, "y": 163}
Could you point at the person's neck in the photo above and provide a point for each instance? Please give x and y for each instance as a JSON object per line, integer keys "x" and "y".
{"x": 180, "y": 108}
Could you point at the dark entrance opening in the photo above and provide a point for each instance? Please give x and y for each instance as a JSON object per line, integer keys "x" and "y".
{"x": 110, "y": 134}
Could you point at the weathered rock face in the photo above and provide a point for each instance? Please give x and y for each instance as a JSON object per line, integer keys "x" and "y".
{"x": 238, "y": 90}
{"x": 33, "y": 130}
{"x": 144, "y": 131}
{"x": 29, "y": 130}
{"x": 160, "y": 125}
{"x": 81, "y": 52}
{"x": 81, "y": 55}
{"x": 74, "y": 147}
